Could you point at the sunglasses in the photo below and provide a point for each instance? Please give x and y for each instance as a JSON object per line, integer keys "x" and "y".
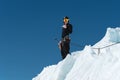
{"x": 66, "y": 20}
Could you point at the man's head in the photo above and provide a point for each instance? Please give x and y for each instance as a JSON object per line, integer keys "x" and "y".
{"x": 66, "y": 19}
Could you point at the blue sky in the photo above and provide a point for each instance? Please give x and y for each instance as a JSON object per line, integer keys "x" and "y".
{"x": 28, "y": 29}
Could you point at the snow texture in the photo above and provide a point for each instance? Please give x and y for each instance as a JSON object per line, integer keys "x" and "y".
{"x": 88, "y": 64}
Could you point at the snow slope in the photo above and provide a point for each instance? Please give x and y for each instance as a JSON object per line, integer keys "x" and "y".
{"x": 88, "y": 64}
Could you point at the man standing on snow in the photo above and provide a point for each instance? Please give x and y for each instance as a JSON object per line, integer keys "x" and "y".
{"x": 64, "y": 44}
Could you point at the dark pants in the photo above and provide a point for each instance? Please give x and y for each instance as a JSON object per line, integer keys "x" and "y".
{"x": 65, "y": 47}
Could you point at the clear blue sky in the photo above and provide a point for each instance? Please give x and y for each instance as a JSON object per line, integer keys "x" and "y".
{"x": 28, "y": 29}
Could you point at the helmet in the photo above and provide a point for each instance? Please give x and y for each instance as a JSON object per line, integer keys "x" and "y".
{"x": 66, "y": 17}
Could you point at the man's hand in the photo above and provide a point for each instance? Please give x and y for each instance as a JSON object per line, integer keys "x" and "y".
{"x": 64, "y": 26}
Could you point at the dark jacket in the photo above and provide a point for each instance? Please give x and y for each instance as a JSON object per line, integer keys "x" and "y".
{"x": 67, "y": 31}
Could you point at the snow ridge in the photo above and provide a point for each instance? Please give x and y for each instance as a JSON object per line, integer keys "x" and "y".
{"x": 87, "y": 64}
{"x": 57, "y": 72}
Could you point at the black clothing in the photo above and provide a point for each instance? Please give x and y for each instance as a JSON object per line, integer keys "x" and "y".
{"x": 66, "y": 31}
{"x": 65, "y": 41}
{"x": 65, "y": 47}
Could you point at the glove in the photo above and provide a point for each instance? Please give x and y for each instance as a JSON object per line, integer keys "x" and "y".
{"x": 64, "y": 26}
{"x": 59, "y": 44}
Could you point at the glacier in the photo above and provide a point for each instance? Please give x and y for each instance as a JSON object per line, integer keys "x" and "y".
{"x": 98, "y": 62}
